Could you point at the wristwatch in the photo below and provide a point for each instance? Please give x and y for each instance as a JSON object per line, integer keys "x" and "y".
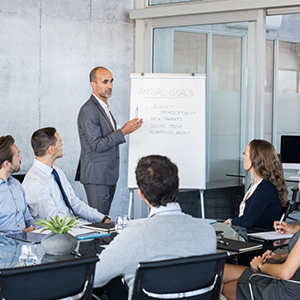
{"x": 258, "y": 267}
{"x": 105, "y": 218}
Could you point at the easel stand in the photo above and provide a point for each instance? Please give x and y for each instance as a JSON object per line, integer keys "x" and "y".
{"x": 202, "y": 203}
{"x": 131, "y": 198}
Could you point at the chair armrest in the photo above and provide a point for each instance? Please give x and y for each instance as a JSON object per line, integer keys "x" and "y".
{"x": 265, "y": 276}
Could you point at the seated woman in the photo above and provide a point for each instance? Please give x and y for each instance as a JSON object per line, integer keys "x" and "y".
{"x": 284, "y": 267}
{"x": 267, "y": 194}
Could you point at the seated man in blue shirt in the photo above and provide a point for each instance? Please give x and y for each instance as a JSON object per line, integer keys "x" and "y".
{"x": 167, "y": 233}
{"x": 48, "y": 191}
{"x": 14, "y": 213}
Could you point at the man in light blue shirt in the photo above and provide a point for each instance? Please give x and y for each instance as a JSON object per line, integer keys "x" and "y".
{"x": 14, "y": 213}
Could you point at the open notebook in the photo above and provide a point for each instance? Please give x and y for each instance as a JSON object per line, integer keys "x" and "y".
{"x": 270, "y": 235}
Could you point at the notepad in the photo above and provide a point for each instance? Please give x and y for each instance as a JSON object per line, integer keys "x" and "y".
{"x": 99, "y": 226}
{"x": 270, "y": 235}
{"x": 238, "y": 246}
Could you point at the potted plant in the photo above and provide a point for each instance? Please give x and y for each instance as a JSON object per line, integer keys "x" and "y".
{"x": 58, "y": 241}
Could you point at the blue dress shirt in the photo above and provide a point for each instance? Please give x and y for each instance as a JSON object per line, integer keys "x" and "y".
{"x": 14, "y": 213}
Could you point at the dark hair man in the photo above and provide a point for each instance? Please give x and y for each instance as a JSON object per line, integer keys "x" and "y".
{"x": 14, "y": 213}
{"x": 100, "y": 139}
{"x": 48, "y": 191}
{"x": 167, "y": 233}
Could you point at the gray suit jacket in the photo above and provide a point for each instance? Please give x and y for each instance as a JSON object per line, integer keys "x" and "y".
{"x": 99, "y": 158}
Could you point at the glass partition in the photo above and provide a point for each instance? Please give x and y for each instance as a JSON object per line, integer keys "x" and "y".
{"x": 282, "y": 98}
{"x": 288, "y": 89}
{"x": 283, "y": 64}
{"x": 190, "y": 50}
{"x": 217, "y": 52}
{"x": 225, "y": 107}
{"x": 268, "y": 113}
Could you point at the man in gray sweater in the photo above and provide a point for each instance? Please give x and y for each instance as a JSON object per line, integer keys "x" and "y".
{"x": 167, "y": 233}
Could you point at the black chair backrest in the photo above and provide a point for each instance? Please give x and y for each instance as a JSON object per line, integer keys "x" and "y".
{"x": 49, "y": 281}
{"x": 179, "y": 276}
{"x": 295, "y": 190}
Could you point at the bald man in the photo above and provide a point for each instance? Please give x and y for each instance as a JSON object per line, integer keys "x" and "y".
{"x": 100, "y": 139}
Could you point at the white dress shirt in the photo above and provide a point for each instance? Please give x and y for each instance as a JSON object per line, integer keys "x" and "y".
{"x": 106, "y": 107}
{"x": 45, "y": 199}
{"x": 250, "y": 191}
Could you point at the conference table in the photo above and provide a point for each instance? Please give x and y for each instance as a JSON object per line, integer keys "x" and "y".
{"x": 10, "y": 249}
{"x": 240, "y": 234}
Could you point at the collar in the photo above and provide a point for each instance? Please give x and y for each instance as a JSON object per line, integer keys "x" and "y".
{"x": 8, "y": 180}
{"x": 43, "y": 167}
{"x": 104, "y": 106}
{"x": 170, "y": 208}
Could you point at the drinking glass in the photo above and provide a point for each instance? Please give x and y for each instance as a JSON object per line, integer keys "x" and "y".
{"x": 121, "y": 222}
{"x": 28, "y": 256}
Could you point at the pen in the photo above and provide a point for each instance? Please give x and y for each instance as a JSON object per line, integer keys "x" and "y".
{"x": 281, "y": 219}
{"x": 265, "y": 259}
{"x": 223, "y": 242}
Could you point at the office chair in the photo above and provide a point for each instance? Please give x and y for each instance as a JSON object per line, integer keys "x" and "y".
{"x": 49, "y": 281}
{"x": 196, "y": 277}
{"x": 292, "y": 205}
{"x": 265, "y": 276}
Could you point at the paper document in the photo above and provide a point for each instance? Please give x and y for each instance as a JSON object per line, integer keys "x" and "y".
{"x": 270, "y": 235}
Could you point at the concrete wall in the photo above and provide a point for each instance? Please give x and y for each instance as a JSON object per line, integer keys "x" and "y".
{"x": 47, "y": 49}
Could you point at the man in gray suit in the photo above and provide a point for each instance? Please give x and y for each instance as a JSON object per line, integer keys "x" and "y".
{"x": 100, "y": 140}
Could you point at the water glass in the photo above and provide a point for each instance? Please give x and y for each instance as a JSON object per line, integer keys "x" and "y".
{"x": 121, "y": 222}
{"x": 28, "y": 256}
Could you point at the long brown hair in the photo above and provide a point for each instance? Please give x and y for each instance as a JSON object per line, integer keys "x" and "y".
{"x": 266, "y": 164}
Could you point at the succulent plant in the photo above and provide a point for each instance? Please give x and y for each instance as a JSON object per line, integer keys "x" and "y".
{"x": 57, "y": 225}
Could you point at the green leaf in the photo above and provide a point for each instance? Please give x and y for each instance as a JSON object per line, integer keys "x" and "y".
{"x": 57, "y": 225}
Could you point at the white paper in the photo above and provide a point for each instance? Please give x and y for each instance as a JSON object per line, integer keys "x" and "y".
{"x": 270, "y": 235}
